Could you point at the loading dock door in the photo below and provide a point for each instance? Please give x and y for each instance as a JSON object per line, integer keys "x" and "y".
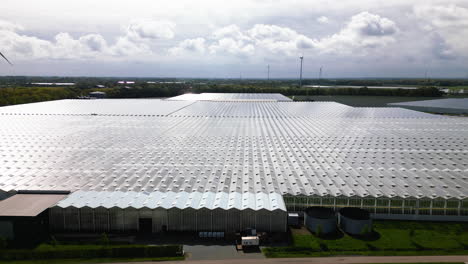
{"x": 145, "y": 225}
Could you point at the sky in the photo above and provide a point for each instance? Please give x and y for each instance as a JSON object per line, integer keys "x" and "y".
{"x": 229, "y": 39}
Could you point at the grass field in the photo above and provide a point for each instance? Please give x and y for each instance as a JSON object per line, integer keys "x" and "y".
{"x": 391, "y": 238}
{"x": 365, "y": 101}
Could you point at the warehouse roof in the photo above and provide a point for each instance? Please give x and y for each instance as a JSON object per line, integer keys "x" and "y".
{"x": 248, "y": 97}
{"x": 320, "y": 149}
{"x": 28, "y": 204}
{"x": 181, "y": 200}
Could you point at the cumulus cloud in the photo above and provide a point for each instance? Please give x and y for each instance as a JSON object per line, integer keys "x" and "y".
{"x": 443, "y": 15}
{"x": 151, "y": 29}
{"x": 135, "y": 40}
{"x": 448, "y": 28}
{"x": 261, "y": 38}
{"x": 363, "y": 32}
{"x": 231, "y": 31}
{"x": 6, "y": 25}
{"x": 231, "y": 46}
{"x": 441, "y": 49}
{"x": 230, "y": 40}
{"x": 323, "y": 20}
{"x": 94, "y": 42}
{"x": 196, "y": 45}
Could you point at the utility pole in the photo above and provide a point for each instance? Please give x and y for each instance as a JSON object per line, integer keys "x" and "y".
{"x": 320, "y": 75}
{"x": 268, "y": 74}
{"x": 300, "y": 76}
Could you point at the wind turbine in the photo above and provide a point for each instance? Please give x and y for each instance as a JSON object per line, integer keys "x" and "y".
{"x": 1, "y": 54}
{"x": 268, "y": 74}
{"x": 300, "y": 75}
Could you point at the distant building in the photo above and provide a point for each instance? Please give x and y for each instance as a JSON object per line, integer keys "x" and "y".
{"x": 97, "y": 94}
{"x": 100, "y": 86}
{"x": 126, "y": 82}
{"x": 53, "y": 84}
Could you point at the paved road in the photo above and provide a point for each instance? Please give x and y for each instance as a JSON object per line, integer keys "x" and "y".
{"x": 327, "y": 260}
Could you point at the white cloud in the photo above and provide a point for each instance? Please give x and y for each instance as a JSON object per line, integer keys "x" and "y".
{"x": 259, "y": 38}
{"x": 6, "y": 25}
{"x": 365, "y": 31}
{"x": 135, "y": 40}
{"x": 441, "y": 49}
{"x": 443, "y": 15}
{"x": 278, "y": 39}
{"x": 196, "y": 45}
{"x": 323, "y": 20}
{"x": 94, "y": 42}
{"x": 232, "y": 46}
{"x": 231, "y": 31}
{"x": 449, "y": 27}
{"x": 151, "y": 29}
{"x": 209, "y": 32}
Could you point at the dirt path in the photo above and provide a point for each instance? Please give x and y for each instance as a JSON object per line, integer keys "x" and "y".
{"x": 327, "y": 260}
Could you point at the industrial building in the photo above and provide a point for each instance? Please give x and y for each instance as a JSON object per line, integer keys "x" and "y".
{"x": 225, "y": 163}
{"x": 444, "y": 106}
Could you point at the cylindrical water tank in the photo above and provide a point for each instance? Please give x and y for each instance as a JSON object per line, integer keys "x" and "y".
{"x": 355, "y": 221}
{"x": 320, "y": 220}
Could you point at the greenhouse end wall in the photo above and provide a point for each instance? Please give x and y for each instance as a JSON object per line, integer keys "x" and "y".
{"x": 127, "y": 220}
{"x": 389, "y": 208}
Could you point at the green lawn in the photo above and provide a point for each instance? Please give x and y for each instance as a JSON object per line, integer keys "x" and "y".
{"x": 391, "y": 238}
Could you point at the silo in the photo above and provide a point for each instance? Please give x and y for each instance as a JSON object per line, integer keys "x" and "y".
{"x": 320, "y": 220}
{"x": 355, "y": 221}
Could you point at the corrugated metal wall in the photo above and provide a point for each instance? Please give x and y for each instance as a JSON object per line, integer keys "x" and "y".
{"x": 127, "y": 220}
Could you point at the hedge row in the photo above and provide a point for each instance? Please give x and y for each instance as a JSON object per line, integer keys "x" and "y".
{"x": 98, "y": 252}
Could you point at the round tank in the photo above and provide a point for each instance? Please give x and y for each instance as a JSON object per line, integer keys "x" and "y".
{"x": 320, "y": 220}
{"x": 355, "y": 221}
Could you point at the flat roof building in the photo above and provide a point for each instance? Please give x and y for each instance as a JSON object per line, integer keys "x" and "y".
{"x": 230, "y": 165}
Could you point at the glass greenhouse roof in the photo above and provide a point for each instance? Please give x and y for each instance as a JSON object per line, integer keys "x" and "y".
{"x": 231, "y": 148}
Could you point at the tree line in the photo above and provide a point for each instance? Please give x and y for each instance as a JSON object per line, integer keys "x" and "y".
{"x": 17, "y": 93}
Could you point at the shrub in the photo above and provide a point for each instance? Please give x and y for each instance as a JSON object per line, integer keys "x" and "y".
{"x": 365, "y": 230}
{"x": 53, "y": 241}
{"x": 319, "y": 230}
{"x": 3, "y": 243}
{"x": 104, "y": 240}
{"x": 137, "y": 251}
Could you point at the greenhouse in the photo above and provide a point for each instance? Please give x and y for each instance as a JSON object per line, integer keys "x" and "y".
{"x": 226, "y": 162}
{"x": 381, "y": 207}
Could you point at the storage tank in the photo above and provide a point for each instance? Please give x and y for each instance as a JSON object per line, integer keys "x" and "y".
{"x": 320, "y": 219}
{"x": 355, "y": 221}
